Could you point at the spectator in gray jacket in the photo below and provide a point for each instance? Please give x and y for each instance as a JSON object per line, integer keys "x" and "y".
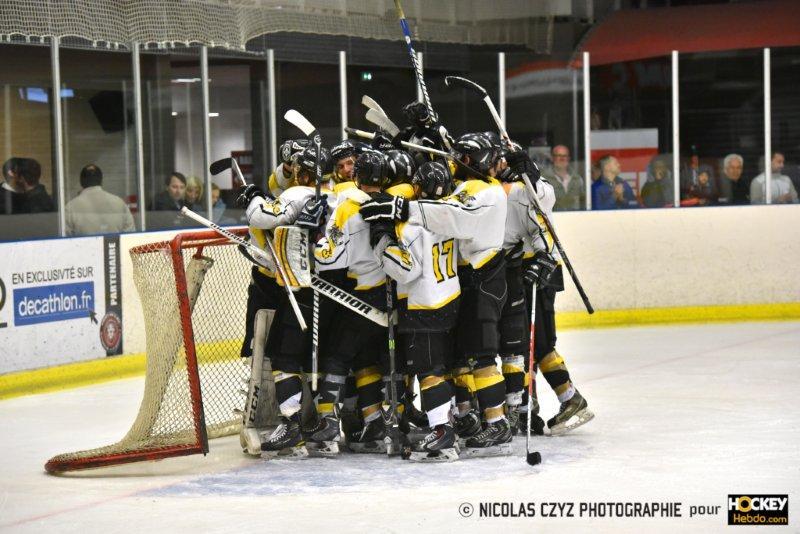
{"x": 569, "y": 187}
{"x": 781, "y": 187}
{"x": 94, "y": 210}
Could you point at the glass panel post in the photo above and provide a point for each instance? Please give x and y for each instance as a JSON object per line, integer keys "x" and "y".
{"x": 206, "y": 129}
{"x": 587, "y": 148}
{"x": 676, "y": 130}
{"x": 55, "y": 65}
{"x": 768, "y": 125}
{"x": 343, "y": 91}
{"x": 137, "y": 110}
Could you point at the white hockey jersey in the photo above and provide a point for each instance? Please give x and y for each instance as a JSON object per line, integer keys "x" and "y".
{"x": 279, "y": 181}
{"x": 346, "y": 243}
{"x": 424, "y": 264}
{"x": 523, "y": 224}
{"x": 268, "y": 214}
{"x": 475, "y": 214}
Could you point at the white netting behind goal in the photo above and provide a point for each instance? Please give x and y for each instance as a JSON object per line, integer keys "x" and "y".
{"x": 232, "y": 23}
{"x": 194, "y": 293}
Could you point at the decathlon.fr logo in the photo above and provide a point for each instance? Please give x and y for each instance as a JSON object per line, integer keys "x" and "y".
{"x": 46, "y": 304}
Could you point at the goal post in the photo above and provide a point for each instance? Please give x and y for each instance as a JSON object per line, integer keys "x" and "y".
{"x": 193, "y": 292}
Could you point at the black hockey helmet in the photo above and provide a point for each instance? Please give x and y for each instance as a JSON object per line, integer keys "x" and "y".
{"x": 291, "y": 147}
{"x": 307, "y": 160}
{"x": 345, "y": 149}
{"x": 401, "y": 166}
{"x": 372, "y": 168}
{"x": 480, "y": 149}
{"x": 433, "y": 179}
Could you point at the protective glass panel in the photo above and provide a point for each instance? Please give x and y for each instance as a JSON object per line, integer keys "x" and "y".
{"x": 722, "y": 123}
{"x": 785, "y": 63}
{"x": 28, "y": 185}
{"x": 631, "y": 135}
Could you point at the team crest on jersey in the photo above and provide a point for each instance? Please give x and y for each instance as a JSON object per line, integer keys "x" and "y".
{"x": 276, "y": 206}
{"x": 463, "y": 197}
{"x": 335, "y": 234}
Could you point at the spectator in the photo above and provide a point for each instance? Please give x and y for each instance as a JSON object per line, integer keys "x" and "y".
{"x": 94, "y": 210}
{"x": 703, "y": 193}
{"x": 12, "y": 200}
{"x": 172, "y": 197}
{"x": 610, "y": 191}
{"x": 691, "y": 173}
{"x": 218, "y": 207}
{"x": 569, "y": 187}
{"x": 781, "y": 187}
{"x": 658, "y": 190}
{"x": 36, "y": 198}
{"x": 193, "y": 198}
{"x": 733, "y": 189}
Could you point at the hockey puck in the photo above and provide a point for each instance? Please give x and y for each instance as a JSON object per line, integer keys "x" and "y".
{"x": 533, "y": 458}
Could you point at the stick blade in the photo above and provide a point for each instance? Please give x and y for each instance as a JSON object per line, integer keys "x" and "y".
{"x": 371, "y": 104}
{"x": 458, "y": 81}
{"x": 379, "y": 119}
{"x": 220, "y": 165}
{"x": 302, "y": 123}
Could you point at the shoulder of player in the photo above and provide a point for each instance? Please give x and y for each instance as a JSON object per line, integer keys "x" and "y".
{"x": 402, "y": 190}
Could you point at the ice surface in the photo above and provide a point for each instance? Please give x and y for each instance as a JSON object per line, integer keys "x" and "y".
{"x": 687, "y": 414}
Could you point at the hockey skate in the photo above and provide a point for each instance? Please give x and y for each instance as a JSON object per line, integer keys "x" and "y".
{"x": 286, "y": 441}
{"x": 573, "y": 413}
{"x": 494, "y": 440}
{"x": 467, "y": 426}
{"x": 323, "y": 439}
{"x": 370, "y": 439}
{"x": 438, "y": 446}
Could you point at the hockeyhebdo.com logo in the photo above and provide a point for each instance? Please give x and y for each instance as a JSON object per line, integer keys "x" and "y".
{"x": 758, "y": 509}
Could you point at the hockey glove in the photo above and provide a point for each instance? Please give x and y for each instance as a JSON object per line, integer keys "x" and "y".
{"x": 540, "y": 270}
{"x": 247, "y": 194}
{"x": 384, "y": 207}
{"x": 379, "y": 229}
{"x": 382, "y": 141}
{"x": 520, "y": 163}
{"x": 313, "y": 213}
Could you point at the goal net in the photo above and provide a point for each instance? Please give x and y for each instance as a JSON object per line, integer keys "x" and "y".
{"x": 193, "y": 291}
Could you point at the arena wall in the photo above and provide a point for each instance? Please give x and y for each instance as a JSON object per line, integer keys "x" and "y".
{"x": 638, "y": 267}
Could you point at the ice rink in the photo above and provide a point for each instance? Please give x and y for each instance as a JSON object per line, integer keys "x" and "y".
{"x": 684, "y": 414}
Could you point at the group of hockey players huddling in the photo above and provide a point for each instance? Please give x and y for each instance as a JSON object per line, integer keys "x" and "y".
{"x": 461, "y": 247}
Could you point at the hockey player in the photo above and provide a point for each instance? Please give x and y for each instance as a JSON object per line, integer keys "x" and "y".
{"x": 475, "y": 215}
{"x": 287, "y": 345}
{"x": 424, "y": 265}
{"x": 355, "y": 343}
{"x": 543, "y": 269}
{"x": 282, "y": 178}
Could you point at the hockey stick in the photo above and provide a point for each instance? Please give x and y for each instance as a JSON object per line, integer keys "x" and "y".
{"x": 534, "y": 457}
{"x": 296, "y": 118}
{"x": 331, "y": 291}
{"x": 372, "y": 104}
{"x": 255, "y": 252}
{"x": 414, "y": 59}
{"x": 392, "y": 439}
{"x": 469, "y": 84}
{"x": 381, "y": 120}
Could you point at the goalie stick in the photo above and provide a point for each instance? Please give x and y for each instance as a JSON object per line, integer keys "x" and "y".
{"x": 472, "y": 86}
{"x": 304, "y": 125}
{"x": 331, "y": 291}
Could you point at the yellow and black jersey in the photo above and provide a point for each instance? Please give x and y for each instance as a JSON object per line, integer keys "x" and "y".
{"x": 279, "y": 181}
{"x": 425, "y": 267}
{"x": 259, "y": 238}
{"x": 268, "y": 214}
{"x": 475, "y": 214}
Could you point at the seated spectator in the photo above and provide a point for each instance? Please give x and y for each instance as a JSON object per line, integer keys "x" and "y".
{"x": 689, "y": 171}
{"x": 658, "y": 190}
{"x": 193, "y": 198}
{"x": 733, "y": 189}
{"x": 781, "y": 187}
{"x": 703, "y": 193}
{"x": 94, "y": 210}
{"x": 172, "y": 197}
{"x": 12, "y": 200}
{"x": 36, "y": 198}
{"x": 218, "y": 207}
{"x": 610, "y": 191}
{"x": 569, "y": 187}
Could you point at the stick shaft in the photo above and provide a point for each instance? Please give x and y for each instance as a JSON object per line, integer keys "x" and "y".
{"x": 531, "y": 372}
{"x": 413, "y": 54}
{"x": 255, "y": 252}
